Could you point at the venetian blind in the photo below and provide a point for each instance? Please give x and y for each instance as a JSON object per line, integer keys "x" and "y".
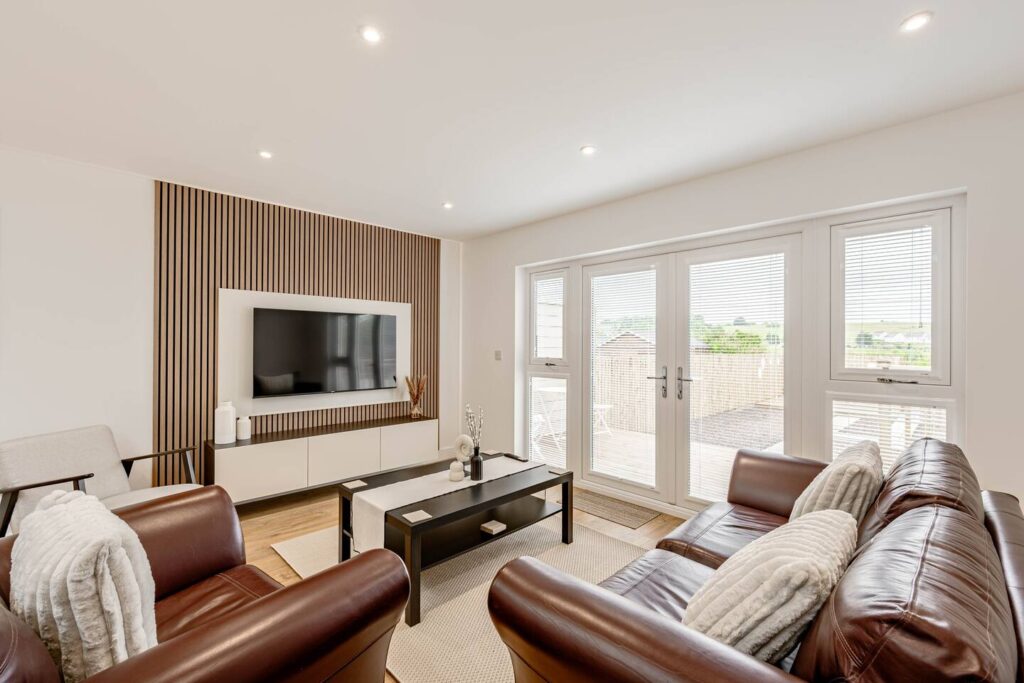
{"x": 548, "y": 420}
{"x": 893, "y": 425}
{"x": 737, "y": 344}
{"x": 623, "y": 346}
{"x": 548, "y": 315}
{"x": 888, "y": 300}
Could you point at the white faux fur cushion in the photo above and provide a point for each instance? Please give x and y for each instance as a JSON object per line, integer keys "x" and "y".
{"x": 762, "y": 598}
{"x": 850, "y": 483}
{"x": 80, "y": 579}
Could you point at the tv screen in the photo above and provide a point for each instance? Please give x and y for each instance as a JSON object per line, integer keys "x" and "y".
{"x": 313, "y": 352}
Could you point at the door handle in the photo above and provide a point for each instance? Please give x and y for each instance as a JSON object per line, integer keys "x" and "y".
{"x": 663, "y": 377}
{"x": 679, "y": 381}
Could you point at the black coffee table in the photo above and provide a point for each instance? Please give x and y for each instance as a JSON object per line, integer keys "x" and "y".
{"x": 455, "y": 518}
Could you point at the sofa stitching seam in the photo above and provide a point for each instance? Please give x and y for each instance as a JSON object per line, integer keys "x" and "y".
{"x": 647, "y": 574}
{"x": 909, "y": 611}
{"x": 238, "y": 585}
{"x": 690, "y": 544}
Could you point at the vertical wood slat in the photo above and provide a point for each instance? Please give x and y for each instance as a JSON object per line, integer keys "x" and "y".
{"x": 206, "y": 240}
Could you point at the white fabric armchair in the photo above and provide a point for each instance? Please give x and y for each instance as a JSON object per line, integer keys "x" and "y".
{"x": 86, "y": 459}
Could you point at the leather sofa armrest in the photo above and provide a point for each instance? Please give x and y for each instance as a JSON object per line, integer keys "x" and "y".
{"x": 770, "y": 481}
{"x": 23, "y": 657}
{"x": 559, "y": 628}
{"x": 336, "y": 623}
{"x": 188, "y": 536}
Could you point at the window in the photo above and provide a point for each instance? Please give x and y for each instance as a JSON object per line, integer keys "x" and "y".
{"x": 892, "y": 308}
{"x": 548, "y": 420}
{"x": 890, "y": 313}
{"x": 893, "y": 425}
{"x": 548, "y": 318}
{"x": 643, "y": 371}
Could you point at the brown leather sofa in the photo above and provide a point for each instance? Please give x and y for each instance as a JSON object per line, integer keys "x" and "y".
{"x": 935, "y": 591}
{"x": 220, "y": 619}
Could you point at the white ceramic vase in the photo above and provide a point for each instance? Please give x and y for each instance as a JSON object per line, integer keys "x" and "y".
{"x": 243, "y": 430}
{"x": 224, "y": 423}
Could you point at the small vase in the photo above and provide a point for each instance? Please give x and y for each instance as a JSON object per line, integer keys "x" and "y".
{"x": 476, "y": 465}
{"x": 243, "y": 428}
{"x": 415, "y": 413}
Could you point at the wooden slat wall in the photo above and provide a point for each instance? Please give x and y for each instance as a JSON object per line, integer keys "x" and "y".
{"x": 206, "y": 240}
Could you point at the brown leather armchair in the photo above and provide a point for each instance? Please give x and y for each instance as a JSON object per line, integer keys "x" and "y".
{"x": 220, "y": 619}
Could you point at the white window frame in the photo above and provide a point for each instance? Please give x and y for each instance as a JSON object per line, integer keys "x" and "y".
{"x": 817, "y": 386}
{"x": 536, "y": 360}
{"x": 939, "y": 373}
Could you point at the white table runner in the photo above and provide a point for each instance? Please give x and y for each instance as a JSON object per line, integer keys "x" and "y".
{"x": 369, "y": 508}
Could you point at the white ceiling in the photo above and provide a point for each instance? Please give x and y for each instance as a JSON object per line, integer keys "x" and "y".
{"x": 479, "y": 102}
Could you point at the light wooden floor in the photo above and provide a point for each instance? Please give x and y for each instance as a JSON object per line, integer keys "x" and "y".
{"x": 284, "y": 518}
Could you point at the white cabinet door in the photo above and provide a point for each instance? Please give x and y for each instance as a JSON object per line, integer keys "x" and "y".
{"x": 249, "y": 472}
{"x": 343, "y": 455}
{"x": 408, "y": 444}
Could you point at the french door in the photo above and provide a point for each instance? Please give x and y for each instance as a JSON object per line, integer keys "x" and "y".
{"x": 688, "y": 357}
{"x": 628, "y": 348}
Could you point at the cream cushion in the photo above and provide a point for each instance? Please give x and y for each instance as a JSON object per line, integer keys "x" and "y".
{"x": 62, "y": 454}
{"x": 762, "y": 598}
{"x": 143, "y": 495}
{"x": 850, "y": 483}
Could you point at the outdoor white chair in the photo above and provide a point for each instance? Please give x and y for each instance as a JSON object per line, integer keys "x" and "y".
{"x": 86, "y": 459}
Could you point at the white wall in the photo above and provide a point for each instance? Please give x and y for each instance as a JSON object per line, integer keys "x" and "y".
{"x": 978, "y": 148}
{"x": 76, "y": 299}
{"x": 449, "y": 384}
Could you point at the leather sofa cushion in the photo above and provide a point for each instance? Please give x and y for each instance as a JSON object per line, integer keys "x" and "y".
{"x": 718, "y": 531}
{"x": 211, "y": 598}
{"x": 924, "y": 601}
{"x": 929, "y": 472}
{"x": 661, "y": 581}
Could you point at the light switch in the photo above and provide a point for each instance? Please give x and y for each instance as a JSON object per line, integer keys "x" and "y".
{"x": 497, "y": 354}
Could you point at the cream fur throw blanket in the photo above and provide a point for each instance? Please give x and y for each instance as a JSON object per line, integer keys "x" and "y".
{"x": 81, "y": 580}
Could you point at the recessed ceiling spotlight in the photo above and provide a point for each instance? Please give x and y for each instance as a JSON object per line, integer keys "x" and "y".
{"x": 447, "y": 206}
{"x": 588, "y": 150}
{"x": 915, "y": 22}
{"x": 264, "y": 154}
{"x": 370, "y": 34}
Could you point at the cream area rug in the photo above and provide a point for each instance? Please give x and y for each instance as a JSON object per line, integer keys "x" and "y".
{"x": 455, "y": 641}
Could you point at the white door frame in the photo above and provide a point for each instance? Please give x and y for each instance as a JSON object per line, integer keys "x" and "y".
{"x": 664, "y": 487}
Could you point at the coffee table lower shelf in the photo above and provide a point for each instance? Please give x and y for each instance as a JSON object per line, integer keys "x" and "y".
{"x": 461, "y": 536}
{"x": 454, "y": 525}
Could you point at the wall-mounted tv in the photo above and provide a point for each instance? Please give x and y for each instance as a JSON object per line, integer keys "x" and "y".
{"x": 314, "y": 352}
